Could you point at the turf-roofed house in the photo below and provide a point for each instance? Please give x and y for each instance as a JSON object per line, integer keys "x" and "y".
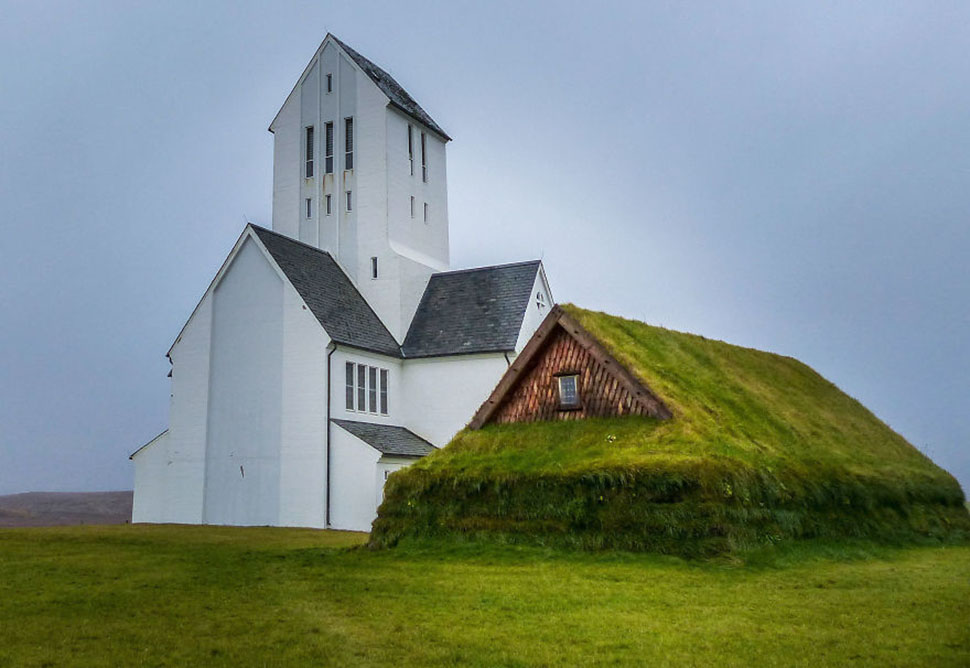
{"x": 611, "y": 433}
{"x": 339, "y": 346}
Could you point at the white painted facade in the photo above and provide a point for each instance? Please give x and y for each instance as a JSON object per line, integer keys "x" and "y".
{"x": 250, "y": 441}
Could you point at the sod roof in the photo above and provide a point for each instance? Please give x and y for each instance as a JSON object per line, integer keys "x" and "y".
{"x": 750, "y": 429}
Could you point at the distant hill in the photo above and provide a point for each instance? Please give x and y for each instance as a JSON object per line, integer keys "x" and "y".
{"x": 760, "y": 449}
{"x": 44, "y": 509}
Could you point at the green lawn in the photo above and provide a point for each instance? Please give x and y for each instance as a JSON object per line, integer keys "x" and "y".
{"x": 173, "y": 596}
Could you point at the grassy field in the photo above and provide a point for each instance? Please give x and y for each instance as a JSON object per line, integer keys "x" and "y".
{"x": 172, "y": 596}
{"x": 760, "y": 448}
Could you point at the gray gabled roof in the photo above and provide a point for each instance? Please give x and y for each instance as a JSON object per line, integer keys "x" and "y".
{"x": 392, "y": 89}
{"x": 388, "y": 439}
{"x": 471, "y": 311}
{"x": 329, "y": 293}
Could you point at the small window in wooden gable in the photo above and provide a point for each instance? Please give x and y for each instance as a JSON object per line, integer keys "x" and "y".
{"x": 568, "y": 391}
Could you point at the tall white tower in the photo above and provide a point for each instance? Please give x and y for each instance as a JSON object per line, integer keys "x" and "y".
{"x": 359, "y": 170}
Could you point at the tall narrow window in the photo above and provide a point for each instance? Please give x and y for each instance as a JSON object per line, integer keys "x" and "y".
{"x": 309, "y": 152}
{"x": 373, "y": 267}
{"x": 424, "y": 160}
{"x": 361, "y": 387}
{"x": 425, "y": 212}
{"x": 329, "y": 83}
{"x": 372, "y": 388}
{"x": 328, "y": 205}
{"x": 383, "y": 391}
{"x": 349, "y": 143}
{"x": 411, "y": 150}
{"x": 328, "y": 130}
{"x": 350, "y": 386}
{"x": 309, "y": 207}
{"x": 412, "y": 206}
{"x": 350, "y": 201}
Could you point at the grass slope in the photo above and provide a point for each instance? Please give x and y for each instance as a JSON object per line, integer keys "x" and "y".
{"x": 164, "y": 595}
{"x": 760, "y": 449}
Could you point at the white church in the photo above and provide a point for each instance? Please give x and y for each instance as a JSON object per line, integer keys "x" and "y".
{"x": 339, "y": 346}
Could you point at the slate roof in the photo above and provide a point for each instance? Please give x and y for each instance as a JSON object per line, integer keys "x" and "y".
{"x": 388, "y": 439}
{"x": 394, "y": 91}
{"x": 471, "y": 311}
{"x": 330, "y": 294}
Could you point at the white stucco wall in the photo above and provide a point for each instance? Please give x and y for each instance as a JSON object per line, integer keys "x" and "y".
{"x": 151, "y": 462}
{"x": 353, "y": 481}
{"x": 443, "y": 393}
{"x": 535, "y": 314}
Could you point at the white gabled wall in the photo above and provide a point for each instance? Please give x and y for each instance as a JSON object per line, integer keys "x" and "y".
{"x": 354, "y": 466}
{"x": 443, "y": 393}
{"x": 150, "y": 494}
{"x": 534, "y": 313}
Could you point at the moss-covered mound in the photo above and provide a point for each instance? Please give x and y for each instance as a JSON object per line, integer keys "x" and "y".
{"x": 760, "y": 449}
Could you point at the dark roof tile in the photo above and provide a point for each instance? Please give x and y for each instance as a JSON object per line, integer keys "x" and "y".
{"x": 330, "y": 294}
{"x": 388, "y": 439}
{"x": 471, "y": 311}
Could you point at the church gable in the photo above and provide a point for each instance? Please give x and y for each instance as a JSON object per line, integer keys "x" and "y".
{"x": 564, "y": 373}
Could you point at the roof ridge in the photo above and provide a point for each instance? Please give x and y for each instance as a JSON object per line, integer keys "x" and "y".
{"x": 486, "y": 267}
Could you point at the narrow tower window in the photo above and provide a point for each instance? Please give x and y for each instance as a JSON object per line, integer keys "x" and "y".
{"x": 309, "y": 152}
{"x": 412, "y": 206}
{"x": 309, "y": 207}
{"x": 425, "y": 212}
{"x": 329, "y": 132}
{"x": 349, "y": 143}
{"x": 424, "y": 160}
{"x": 329, "y": 83}
{"x": 373, "y": 267}
{"x": 328, "y": 205}
{"x": 361, "y": 387}
{"x": 411, "y": 150}
{"x": 350, "y": 200}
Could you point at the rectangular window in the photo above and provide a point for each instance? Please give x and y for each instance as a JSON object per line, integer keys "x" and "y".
{"x": 383, "y": 391}
{"x": 308, "y": 131}
{"x": 412, "y": 206}
{"x": 568, "y": 391}
{"x": 373, "y": 267}
{"x": 350, "y": 201}
{"x": 349, "y": 143}
{"x": 350, "y": 386}
{"x": 328, "y": 205}
{"x": 329, "y": 83}
{"x": 372, "y": 388}
{"x": 411, "y": 150}
{"x": 361, "y": 387}
{"x": 309, "y": 207}
{"x": 425, "y": 212}
{"x": 328, "y": 131}
{"x": 424, "y": 160}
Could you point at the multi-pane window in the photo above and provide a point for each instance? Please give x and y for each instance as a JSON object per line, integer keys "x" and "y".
{"x": 568, "y": 391}
{"x": 329, "y": 83}
{"x": 350, "y": 200}
{"x": 366, "y": 388}
{"x": 383, "y": 391}
{"x": 328, "y": 131}
{"x": 425, "y": 212}
{"x": 349, "y": 143}
{"x": 411, "y": 149}
{"x": 424, "y": 160}
{"x": 329, "y": 208}
{"x": 308, "y": 135}
{"x": 372, "y": 387}
{"x": 309, "y": 207}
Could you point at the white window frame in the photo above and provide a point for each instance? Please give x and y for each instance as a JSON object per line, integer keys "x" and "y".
{"x": 412, "y": 206}
{"x": 309, "y": 208}
{"x": 328, "y": 147}
{"x": 329, "y": 82}
{"x": 309, "y": 138}
{"x": 349, "y": 143}
{"x": 329, "y": 207}
{"x": 371, "y": 395}
{"x": 373, "y": 267}
{"x": 427, "y": 215}
{"x": 411, "y": 149}
{"x": 350, "y": 200}
{"x": 424, "y": 158}
{"x": 563, "y": 405}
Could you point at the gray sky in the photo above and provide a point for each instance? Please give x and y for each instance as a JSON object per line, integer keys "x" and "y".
{"x": 790, "y": 177}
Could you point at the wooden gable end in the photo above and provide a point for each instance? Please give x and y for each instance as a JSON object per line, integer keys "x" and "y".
{"x": 530, "y": 392}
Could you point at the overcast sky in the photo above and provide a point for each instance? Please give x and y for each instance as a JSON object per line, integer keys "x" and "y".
{"x": 790, "y": 177}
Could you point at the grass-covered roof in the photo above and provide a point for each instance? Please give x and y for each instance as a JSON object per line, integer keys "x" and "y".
{"x": 760, "y": 447}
